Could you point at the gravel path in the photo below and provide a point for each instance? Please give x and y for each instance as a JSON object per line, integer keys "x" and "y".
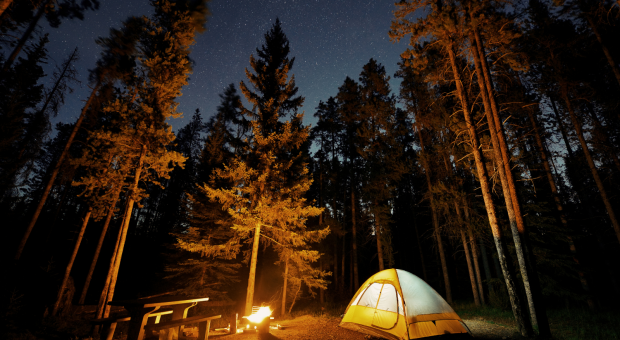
{"x": 323, "y": 328}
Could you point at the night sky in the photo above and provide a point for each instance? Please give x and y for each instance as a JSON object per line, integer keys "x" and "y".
{"x": 330, "y": 39}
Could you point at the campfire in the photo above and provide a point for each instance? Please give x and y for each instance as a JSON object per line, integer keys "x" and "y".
{"x": 259, "y": 321}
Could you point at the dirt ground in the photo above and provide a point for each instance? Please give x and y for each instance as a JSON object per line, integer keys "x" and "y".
{"x": 325, "y": 328}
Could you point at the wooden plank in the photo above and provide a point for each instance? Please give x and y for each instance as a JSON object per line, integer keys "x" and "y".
{"x": 158, "y": 301}
{"x": 125, "y": 317}
{"x": 180, "y": 322}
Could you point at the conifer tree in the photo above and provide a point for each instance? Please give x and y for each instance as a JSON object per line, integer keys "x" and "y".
{"x": 267, "y": 194}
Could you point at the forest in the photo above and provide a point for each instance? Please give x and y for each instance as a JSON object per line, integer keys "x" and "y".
{"x": 491, "y": 172}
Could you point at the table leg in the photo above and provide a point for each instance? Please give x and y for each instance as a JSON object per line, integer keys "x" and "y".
{"x": 179, "y": 312}
{"x": 203, "y": 330}
{"x": 139, "y": 317}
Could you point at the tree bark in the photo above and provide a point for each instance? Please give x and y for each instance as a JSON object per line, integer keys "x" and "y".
{"x": 50, "y": 182}
{"x": 284, "y": 288}
{"x": 523, "y": 323}
{"x": 593, "y": 169}
{"x": 501, "y": 154}
{"x": 104, "y": 230}
{"x": 65, "y": 278}
{"x": 249, "y": 300}
{"x": 125, "y": 228}
{"x": 379, "y": 245}
{"x": 27, "y": 33}
{"x": 472, "y": 275}
{"x": 356, "y": 283}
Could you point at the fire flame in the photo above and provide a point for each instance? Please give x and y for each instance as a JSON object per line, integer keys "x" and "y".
{"x": 263, "y": 312}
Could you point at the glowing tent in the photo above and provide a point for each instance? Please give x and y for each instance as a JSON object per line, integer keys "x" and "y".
{"x": 396, "y": 304}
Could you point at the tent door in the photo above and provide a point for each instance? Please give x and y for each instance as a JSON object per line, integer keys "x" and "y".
{"x": 386, "y": 311}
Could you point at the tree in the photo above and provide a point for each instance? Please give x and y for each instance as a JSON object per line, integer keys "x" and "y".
{"x": 267, "y": 193}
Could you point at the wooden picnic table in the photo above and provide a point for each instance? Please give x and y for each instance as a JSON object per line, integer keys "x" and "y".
{"x": 139, "y": 310}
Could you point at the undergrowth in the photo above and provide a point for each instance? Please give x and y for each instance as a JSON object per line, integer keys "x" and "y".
{"x": 566, "y": 324}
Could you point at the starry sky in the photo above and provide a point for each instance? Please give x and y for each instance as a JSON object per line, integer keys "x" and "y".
{"x": 330, "y": 40}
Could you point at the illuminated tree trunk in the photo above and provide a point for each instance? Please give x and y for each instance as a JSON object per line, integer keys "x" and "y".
{"x": 559, "y": 206}
{"x": 356, "y": 284}
{"x": 249, "y": 300}
{"x": 586, "y": 151}
{"x": 500, "y": 151}
{"x": 50, "y": 182}
{"x": 523, "y": 323}
{"x": 284, "y": 288}
{"x": 65, "y": 278}
{"x": 124, "y": 228}
{"x": 106, "y": 224}
{"x": 4, "y": 4}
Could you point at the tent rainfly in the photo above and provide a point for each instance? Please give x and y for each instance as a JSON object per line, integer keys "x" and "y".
{"x": 396, "y": 304}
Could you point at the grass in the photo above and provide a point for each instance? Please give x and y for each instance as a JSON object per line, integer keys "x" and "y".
{"x": 571, "y": 324}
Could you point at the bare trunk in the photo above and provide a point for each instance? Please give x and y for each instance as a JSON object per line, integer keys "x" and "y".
{"x": 523, "y": 325}
{"x": 295, "y": 298}
{"x": 104, "y": 230}
{"x": 559, "y": 206}
{"x": 356, "y": 284}
{"x": 65, "y": 278}
{"x": 517, "y": 225}
{"x": 27, "y": 33}
{"x": 586, "y": 151}
{"x": 379, "y": 245}
{"x": 472, "y": 275}
{"x": 50, "y": 182}
{"x": 284, "y": 288}
{"x": 249, "y": 300}
{"x": 125, "y": 228}
{"x": 336, "y": 273}
{"x": 341, "y": 288}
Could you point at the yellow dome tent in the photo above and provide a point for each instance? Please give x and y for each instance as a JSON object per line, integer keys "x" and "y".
{"x": 396, "y": 304}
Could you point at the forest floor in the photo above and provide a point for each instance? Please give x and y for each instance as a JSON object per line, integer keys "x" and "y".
{"x": 326, "y": 328}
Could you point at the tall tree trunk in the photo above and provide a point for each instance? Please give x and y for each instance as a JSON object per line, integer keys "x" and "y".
{"x": 101, "y": 306}
{"x": 593, "y": 169}
{"x": 523, "y": 324}
{"x": 249, "y": 300}
{"x": 485, "y": 265}
{"x": 558, "y": 119}
{"x": 344, "y": 247}
{"x": 27, "y": 33}
{"x": 437, "y": 233}
{"x": 356, "y": 283}
{"x": 125, "y": 228}
{"x": 379, "y": 245}
{"x": 65, "y": 278}
{"x": 470, "y": 269}
{"x": 610, "y": 59}
{"x": 321, "y": 290}
{"x": 104, "y": 230}
{"x": 336, "y": 273}
{"x": 602, "y": 132}
{"x": 474, "y": 252}
{"x": 50, "y": 182}
{"x": 284, "y": 288}
{"x": 500, "y": 151}
{"x": 559, "y": 206}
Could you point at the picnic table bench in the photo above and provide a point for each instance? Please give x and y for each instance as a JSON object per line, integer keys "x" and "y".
{"x": 165, "y": 328}
{"x": 110, "y": 322}
{"x": 141, "y": 309}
